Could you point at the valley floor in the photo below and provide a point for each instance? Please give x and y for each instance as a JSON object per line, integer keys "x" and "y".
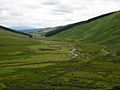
{"x": 52, "y": 65}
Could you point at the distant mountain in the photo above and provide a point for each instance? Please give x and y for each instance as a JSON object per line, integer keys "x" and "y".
{"x": 31, "y": 30}
{"x": 45, "y": 30}
{"x": 38, "y": 31}
{"x": 22, "y": 27}
{"x": 104, "y": 29}
{"x": 13, "y": 32}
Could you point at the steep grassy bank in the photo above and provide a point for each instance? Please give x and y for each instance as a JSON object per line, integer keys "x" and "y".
{"x": 103, "y": 30}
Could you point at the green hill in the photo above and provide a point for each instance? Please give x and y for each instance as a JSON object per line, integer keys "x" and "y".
{"x": 8, "y": 30}
{"x": 104, "y": 29}
{"x": 8, "y": 36}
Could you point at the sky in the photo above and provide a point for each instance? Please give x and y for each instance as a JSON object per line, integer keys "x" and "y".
{"x": 50, "y": 13}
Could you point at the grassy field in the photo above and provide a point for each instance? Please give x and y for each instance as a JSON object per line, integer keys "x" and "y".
{"x": 24, "y": 61}
{"x": 47, "y": 65}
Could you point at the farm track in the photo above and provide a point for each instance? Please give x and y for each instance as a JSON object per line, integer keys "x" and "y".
{"x": 104, "y": 51}
{"x": 73, "y": 53}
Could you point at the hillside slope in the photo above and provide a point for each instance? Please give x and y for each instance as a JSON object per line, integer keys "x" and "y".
{"x": 9, "y": 36}
{"x": 13, "y": 32}
{"x": 104, "y": 29}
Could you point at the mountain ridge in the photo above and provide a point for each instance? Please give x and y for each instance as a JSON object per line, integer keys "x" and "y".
{"x": 104, "y": 29}
{"x": 78, "y": 23}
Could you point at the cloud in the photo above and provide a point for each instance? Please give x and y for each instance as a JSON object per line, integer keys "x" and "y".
{"x": 63, "y": 9}
{"x": 45, "y": 13}
{"x": 50, "y": 2}
{"x": 112, "y": 0}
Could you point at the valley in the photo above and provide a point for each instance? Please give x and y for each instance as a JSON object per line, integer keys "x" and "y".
{"x": 83, "y": 57}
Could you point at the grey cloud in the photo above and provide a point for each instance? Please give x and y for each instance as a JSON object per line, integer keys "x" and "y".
{"x": 68, "y": 19}
{"x": 3, "y": 7}
{"x": 64, "y": 9}
{"x": 3, "y": 18}
{"x": 112, "y": 0}
{"x": 16, "y": 14}
{"x": 31, "y": 6}
{"x": 83, "y": 7}
{"x": 34, "y": 7}
{"x": 9, "y": 13}
{"x": 51, "y": 2}
{"x": 86, "y": 14}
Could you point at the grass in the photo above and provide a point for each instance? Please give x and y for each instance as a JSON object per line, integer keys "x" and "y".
{"x": 23, "y": 61}
{"x": 47, "y": 65}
